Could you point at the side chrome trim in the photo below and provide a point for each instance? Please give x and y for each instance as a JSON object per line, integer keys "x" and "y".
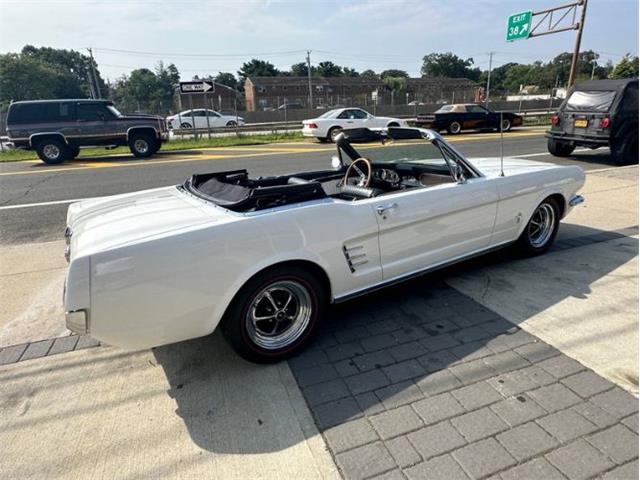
{"x": 576, "y": 200}
{"x": 419, "y": 273}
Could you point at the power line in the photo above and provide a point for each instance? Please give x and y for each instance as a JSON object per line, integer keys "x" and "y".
{"x": 198, "y": 55}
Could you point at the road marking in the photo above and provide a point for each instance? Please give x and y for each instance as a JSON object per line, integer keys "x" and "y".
{"x": 44, "y": 204}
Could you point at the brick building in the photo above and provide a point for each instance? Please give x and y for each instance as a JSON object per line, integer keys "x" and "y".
{"x": 270, "y": 92}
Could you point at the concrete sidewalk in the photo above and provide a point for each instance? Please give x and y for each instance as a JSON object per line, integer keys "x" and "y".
{"x": 191, "y": 410}
{"x": 583, "y": 300}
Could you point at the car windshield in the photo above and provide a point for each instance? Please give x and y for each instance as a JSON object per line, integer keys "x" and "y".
{"x": 445, "y": 108}
{"x": 591, "y": 101}
{"x": 328, "y": 114}
{"x": 114, "y": 110}
{"x": 403, "y": 152}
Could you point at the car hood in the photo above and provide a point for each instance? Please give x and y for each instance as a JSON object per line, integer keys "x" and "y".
{"x": 110, "y": 222}
{"x": 491, "y": 166}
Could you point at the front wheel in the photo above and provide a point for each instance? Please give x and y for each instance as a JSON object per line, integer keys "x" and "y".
{"x": 275, "y": 314}
{"x": 542, "y": 228}
{"x": 142, "y": 145}
{"x": 506, "y": 125}
{"x": 559, "y": 149}
{"x": 333, "y": 134}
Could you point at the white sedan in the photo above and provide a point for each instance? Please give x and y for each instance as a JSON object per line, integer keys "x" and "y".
{"x": 263, "y": 257}
{"x": 330, "y": 124}
{"x": 198, "y": 119}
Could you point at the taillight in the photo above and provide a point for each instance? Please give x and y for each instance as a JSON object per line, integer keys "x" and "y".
{"x": 312, "y": 125}
{"x": 555, "y": 120}
{"x": 605, "y": 122}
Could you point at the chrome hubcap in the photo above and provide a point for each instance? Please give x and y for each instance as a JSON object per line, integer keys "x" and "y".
{"x": 279, "y": 315}
{"x": 455, "y": 128}
{"x": 335, "y": 133}
{"x": 541, "y": 225}
{"x": 141, "y": 146}
{"x": 506, "y": 124}
{"x": 51, "y": 151}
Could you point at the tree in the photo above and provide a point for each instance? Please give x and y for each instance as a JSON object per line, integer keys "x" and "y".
{"x": 146, "y": 90}
{"x": 228, "y": 79}
{"x": 393, "y": 73}
{"x": 626, "y": 68}
{"x": 301, "y": 69}
{"x": 449, "y": 65}
{"x": 329, "y": 69}
{"x": 370, "y": 74}
{"x": 257, "y": 68}
{"x": 498, "y": 76}
{"x": 350, "y": 72}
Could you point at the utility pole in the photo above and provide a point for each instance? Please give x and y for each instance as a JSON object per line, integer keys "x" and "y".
{"x": 593, "y": 68}
{"x": 93, "y": 70}
{"x": 576, "y": 50}
{"x": 486, "y": 94}
{"x": 309, "y": 78}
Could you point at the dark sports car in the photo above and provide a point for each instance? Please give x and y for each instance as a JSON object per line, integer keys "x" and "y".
{"x": 467, "y": 116}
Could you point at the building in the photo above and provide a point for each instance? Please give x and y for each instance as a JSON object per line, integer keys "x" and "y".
{"x": 263, "y": 93}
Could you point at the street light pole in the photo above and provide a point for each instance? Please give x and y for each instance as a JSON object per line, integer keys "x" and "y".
{"x": 576, "y": 50}
{"x": 309, "y": 78}
{"x": 486, "y": 95}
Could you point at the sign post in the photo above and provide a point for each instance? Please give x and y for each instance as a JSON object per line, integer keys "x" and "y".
{"x": 519, "y": 26}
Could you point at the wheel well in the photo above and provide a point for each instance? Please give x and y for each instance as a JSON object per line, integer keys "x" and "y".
{"x": 37, "y": 138}
{"x": 559, "y": 198}
{"x": 149, "y": 130}
{"x": 393, "y": 124}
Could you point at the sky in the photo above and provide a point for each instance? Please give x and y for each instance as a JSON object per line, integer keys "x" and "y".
{"x": 204, "y": 37}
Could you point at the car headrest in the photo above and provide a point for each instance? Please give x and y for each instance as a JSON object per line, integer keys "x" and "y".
{"x": 356, "y": 191}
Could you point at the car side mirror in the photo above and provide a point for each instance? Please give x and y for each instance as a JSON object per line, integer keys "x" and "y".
{"x": 336, "y": 164}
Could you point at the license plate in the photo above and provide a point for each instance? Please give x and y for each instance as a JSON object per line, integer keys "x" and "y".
{"x": 582, "y": 123}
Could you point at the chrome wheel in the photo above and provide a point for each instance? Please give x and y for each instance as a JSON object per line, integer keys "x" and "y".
{"x": 541, "y": 225}
{"x": 506, "y": 125}
{"x": 334, "y": 134}
{"x": 279, "y": 314}
{"x": 51, "y": 151}
{"x": 455, "y": 128}
{"x": 141, "y": 145}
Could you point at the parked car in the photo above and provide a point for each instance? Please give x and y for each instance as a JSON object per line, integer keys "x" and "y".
{"x": 57, "y": 129}
{"x": 330, "y": 124}
{"x": 598, "y": 113}
{"x": 263, "y": 257}
{"x": 467, "y": 116}
{"x": 198, "y": 119}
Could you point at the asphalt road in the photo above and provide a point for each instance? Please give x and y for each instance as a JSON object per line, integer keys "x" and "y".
{"x": 23, "y": 184}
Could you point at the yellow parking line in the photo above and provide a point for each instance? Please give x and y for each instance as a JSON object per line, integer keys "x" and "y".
{"x": 258, "y": 152}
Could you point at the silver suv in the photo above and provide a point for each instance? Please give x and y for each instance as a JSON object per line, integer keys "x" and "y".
{"x": 57, "y": 129}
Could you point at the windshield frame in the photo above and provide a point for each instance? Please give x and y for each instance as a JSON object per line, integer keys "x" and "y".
{"x": 114, "y": 111}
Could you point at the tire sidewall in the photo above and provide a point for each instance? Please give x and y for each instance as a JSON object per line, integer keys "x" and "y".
{"x": 52, "y": 161}
{"x": 524, "y": 241}
{"x": 331, "y": 136}
{"x": 453, "y": 130}
{"x": 507, "y": 125}
{"x": 150, "y": 145}
{"x": 234, "y": 323}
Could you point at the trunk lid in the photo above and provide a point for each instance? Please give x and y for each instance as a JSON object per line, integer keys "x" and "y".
{"x": 110, "y": 222}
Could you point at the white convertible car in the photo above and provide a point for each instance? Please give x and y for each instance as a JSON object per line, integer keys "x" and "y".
{"x": 330, "y": 124}
{"x": 262, "y": 257}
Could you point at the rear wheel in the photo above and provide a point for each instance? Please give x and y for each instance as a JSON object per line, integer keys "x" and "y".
{"x": 542, "y": 228}
{"x": 275, "y": 314}
{"x": 454, "y": 128}
{"x": 506, "y": 125}
{"x": 142, "y": 145}
{"x": 625, "y": 151}
{"x": 559, "y": 149}
{"x": 185, "y": 125}
{"x": 333, "y": 134}
{"x": 52, "y": 151}
{"x": 231, "y": 123}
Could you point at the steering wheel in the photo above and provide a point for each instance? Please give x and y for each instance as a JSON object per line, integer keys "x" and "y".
{"x": 364, "y": 173}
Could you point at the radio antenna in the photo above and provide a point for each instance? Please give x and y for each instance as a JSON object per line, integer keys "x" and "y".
{"x": 501, "y": 148}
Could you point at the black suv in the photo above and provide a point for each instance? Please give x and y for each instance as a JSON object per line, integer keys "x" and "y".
{"x": 57, "y": 129}
{"x": 598, "y": 113}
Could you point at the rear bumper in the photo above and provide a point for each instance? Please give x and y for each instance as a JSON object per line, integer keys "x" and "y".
{"x": 311, "y": 132}
{"x": 589, "y": 140}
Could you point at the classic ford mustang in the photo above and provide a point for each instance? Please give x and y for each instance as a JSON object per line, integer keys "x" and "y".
{"x": 263, "y": 257}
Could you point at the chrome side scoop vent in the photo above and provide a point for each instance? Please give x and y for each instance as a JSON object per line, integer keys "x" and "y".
{"x": 355, "y": 256}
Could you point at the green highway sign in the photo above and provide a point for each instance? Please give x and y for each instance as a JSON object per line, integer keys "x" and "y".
{"x": 519, "y": 26}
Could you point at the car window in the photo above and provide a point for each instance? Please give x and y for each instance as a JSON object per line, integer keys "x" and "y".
{"x": 92, "y": 111}
{"x": 359, "y": 114}
{"x": 445, "y": 109}
{"x": 410, "y": 152}
{"x": 213, "y": 113}
{"x": 328, "y": 114}
{"x": 591, "y": 101}
{"x": 199, "y": 113}
{"x": 345, "y": 114}
{"x": 40, "y": 112}
{"x": 475, "y": 109}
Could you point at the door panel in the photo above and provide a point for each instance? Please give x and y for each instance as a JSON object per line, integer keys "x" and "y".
{"x": 427, "y": 227}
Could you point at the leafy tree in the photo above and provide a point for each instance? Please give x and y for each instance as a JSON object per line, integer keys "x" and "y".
{"x": 300, "y": 69}
{"x": 146, "y": 90}
{"x": 369, "y": 74}
{"x": 393, "y": 73}
{"x": 449, "y": 65}
{"x": 228, "y": 79}
{"x": 257, "y": 68}
{"x": 329, "y": 69}
{"x": 350, "y": 72}
{"x": 626, "y": 68}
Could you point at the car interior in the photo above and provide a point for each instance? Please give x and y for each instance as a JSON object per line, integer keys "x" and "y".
{"x": 381, "y": 170}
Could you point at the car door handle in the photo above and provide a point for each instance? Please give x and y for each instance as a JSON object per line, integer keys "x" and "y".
{"x": 382, "y": 209}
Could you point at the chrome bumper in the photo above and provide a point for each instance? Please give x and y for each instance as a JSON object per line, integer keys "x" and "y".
{"x": 576, "y": 200}
{"x": 76, "y": 321}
